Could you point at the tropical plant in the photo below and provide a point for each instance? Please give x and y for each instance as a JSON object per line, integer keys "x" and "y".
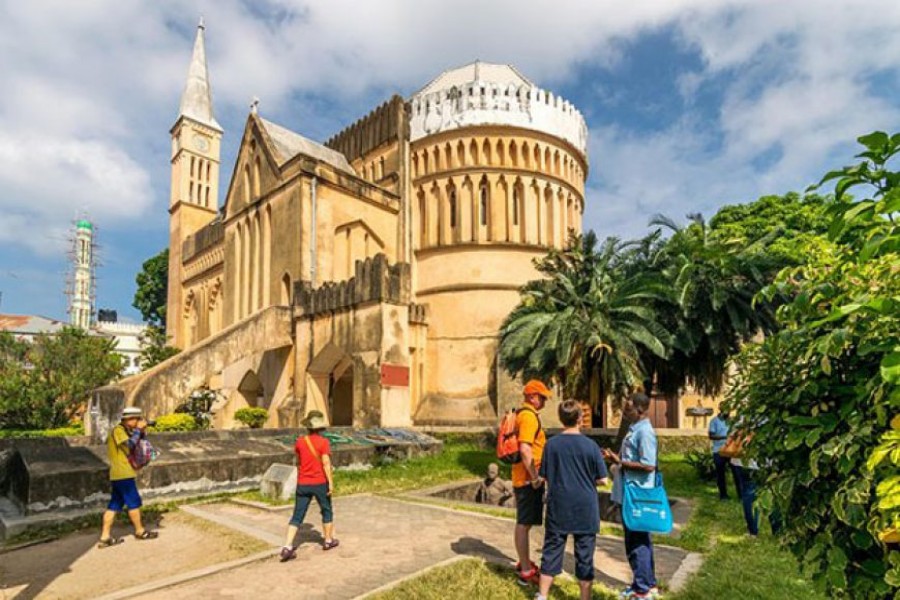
{"x": 175, "y": 422}
{"x": 820, "y": 392}
{"x": 154, "y": 347}
{"x": 586, "y": 314}
{"x": 714, "y": 281}
{"x": 252, "y": 417}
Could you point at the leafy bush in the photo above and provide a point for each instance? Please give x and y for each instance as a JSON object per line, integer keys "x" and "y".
{"x": 819, "y": 393}
{"x": 254, "y": 418}
{"x": 71, "y": 430}
{"x": 175, "y": 422}
{"x": 199, "y": 406}
{"x": 703, "y": 464}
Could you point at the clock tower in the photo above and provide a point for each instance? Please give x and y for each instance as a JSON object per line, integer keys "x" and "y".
{"x": 194, "y": 200}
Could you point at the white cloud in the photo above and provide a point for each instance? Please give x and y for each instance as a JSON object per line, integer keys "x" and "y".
{"x": 90, "y": 88}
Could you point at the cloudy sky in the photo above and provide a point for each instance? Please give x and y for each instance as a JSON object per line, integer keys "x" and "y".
{"x": 691, "y": 104}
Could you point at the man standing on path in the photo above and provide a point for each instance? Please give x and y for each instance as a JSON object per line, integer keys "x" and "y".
{"x": 636, "y": 464}
{"x": 122, "y": 476}
{"x": 718, "y": 434}
{"x": 528, "y": 485}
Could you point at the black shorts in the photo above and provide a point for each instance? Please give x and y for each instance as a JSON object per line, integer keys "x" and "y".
{"x": 529, "y": 505}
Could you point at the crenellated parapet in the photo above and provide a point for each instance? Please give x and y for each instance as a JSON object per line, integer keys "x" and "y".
{"x": 375, "y": 281}
{"x": 382, "y": 125}
{"x": 477, "y": 102}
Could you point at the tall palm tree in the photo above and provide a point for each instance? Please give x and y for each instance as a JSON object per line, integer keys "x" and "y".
{"x": 714, "y": 281}
{"x": 586, "y": 313}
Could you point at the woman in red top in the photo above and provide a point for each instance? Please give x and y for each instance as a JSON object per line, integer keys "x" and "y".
{"x": 314, "y": 480}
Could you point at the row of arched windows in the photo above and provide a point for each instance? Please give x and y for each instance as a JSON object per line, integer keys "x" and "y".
{"x": 494, "y": 210}
{"x": 374, "y": 171}
{"x": 499, "y": 153}
{"x": 252, "y": 259}
{"x": 200, "y": 182}
{"x": 250, "y": 180}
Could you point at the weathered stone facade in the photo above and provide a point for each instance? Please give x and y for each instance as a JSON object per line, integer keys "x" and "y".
{"x": 398, "y": 248}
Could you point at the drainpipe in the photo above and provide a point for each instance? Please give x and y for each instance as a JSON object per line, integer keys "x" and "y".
{"x": 312, "y": 245}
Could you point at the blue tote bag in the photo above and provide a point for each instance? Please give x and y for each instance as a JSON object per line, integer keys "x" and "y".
{"x": 647, "y": 509}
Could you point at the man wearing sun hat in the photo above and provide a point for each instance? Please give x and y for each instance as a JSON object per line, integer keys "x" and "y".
{"x": 123, "y": 478}
{"x": 527, "y": 484}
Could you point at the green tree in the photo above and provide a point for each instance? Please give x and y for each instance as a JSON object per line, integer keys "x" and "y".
{"x": 46, "y": 383}
{"x": 820, "y": 392}
{"x": 152, "y": 289}
{"x": 154, "y": 347}
{"x": 586, "y": 314}
{"x": 151, "y": 298}
{"x": 711, "y": 311}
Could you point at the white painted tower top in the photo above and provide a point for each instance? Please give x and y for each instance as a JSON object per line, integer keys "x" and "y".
{"x": 491, "y": 94}
{"x": 196, "y": 101}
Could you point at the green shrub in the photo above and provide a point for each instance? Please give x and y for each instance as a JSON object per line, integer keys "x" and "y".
{"x": 175, "y": 422}
{"x": 254, "y": 418}
{"x": 72, "y": 430}
{"x": 702, "y": 461}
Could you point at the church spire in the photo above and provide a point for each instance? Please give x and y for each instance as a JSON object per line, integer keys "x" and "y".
{"x": 196, "y": 101}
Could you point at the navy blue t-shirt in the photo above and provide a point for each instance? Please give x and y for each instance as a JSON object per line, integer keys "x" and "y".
{"x": 572, "y": 464}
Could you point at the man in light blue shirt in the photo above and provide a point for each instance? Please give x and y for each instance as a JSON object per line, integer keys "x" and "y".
{"x": 718, "y": 434}
{"x": 636, "y": 463}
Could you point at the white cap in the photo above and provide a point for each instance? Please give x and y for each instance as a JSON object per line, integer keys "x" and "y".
{"x": 131, "y": 411}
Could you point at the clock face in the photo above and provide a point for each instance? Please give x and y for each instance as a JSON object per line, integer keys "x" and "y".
{"x": 201, "y": 143}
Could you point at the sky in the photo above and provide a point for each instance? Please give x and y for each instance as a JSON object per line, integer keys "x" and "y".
{"x": 690, "y": 104}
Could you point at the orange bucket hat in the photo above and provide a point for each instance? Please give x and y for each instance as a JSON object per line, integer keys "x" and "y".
{"x": 537, "y": 387}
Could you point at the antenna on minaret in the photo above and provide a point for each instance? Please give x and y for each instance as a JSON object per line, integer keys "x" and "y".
{"x": 81, "y": 282}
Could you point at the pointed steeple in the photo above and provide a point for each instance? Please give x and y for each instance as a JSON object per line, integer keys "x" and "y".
{"x": 196, "y": 101}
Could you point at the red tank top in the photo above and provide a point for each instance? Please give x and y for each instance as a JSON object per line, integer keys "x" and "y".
{"x": 309, "y": 468}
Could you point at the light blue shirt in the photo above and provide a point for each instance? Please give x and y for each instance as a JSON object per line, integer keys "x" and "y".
{"x": 640, "y": 445}
{"x": 718, "y": 427}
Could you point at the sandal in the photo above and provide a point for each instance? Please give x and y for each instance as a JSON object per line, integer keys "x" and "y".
{"x": 288, "y": 554}
{"x": 112, "y": 541}
{"x": 330, "y": 545}
{"x": 147, "y": 535}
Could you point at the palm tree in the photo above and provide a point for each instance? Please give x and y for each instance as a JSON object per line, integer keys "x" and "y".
{"x": 714, "y": 282}
{"x": 586, "y": 314}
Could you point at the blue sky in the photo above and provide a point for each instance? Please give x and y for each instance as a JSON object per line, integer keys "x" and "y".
{"x": 691, "y": 104}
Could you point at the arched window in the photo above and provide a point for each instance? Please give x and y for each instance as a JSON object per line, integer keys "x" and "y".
{"x": 452, "y": 199}
{"x": 483, "y": 202}
{"x": 380, "y": 168}
{"x": 256, "y": 172}
{"x": 516, "y": 199}
{"x": 247, "y": 188}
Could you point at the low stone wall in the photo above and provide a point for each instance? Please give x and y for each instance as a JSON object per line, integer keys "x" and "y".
{"x": 54, "y": 474}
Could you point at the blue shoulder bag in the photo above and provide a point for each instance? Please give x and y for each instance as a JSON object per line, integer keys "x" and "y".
{"x": 646, "y": 509}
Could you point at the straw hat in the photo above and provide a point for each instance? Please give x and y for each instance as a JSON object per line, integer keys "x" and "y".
{"x": 131, "y": 412}
{"x": 315, "y": 420}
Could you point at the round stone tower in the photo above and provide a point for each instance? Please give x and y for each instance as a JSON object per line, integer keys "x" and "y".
{"x": 498, "y": 167}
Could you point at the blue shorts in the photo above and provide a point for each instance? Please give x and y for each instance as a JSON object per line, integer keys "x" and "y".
{"x": 124, "y": 494}
{"x": 305, "y": 494}
{"x": 555, "y": 548}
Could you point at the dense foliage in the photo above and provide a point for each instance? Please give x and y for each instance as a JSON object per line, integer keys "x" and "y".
{"x": 587, "y": 313}
{"x": 45, "y": 383}
{"x": 152, "y": 289}
{"x": 252, "y": 417}
{"x": 154, "y": 347}
{"x": 175, "y": 422}
{"x": 819, "y": 393}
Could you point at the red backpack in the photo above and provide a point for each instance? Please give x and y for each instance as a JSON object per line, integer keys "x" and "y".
{"x": 508, "y": 437}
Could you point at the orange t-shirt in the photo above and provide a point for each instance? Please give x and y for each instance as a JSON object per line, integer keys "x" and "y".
{"x": 530, "y": 431}
{"x": 310, "y": 470}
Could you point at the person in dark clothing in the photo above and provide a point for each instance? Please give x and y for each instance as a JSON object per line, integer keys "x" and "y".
{"x": 572, "y": 466}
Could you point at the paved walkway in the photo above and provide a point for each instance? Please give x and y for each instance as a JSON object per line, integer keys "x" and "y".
{"x": 382, "y": 540}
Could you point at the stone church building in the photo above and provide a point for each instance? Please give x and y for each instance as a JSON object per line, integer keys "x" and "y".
{"x": 367, "y": 276}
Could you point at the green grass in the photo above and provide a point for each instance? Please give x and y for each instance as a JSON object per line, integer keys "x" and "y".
{"x": 474, "y": 578}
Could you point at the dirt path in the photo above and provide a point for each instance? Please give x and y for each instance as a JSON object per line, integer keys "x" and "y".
{"x": 74, "y": 568}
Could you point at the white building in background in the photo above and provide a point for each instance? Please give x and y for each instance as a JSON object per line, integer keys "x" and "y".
{"x": 128, "y": 343}
{"x": 127, "y": 335}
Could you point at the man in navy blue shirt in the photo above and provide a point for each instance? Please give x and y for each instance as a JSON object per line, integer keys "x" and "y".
{"x": 572, "y": 467}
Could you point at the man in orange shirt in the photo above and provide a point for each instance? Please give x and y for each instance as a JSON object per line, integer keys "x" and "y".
{"x": 527, "y": 484}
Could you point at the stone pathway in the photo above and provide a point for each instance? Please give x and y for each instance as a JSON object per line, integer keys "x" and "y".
{"x": 382, "y": 540}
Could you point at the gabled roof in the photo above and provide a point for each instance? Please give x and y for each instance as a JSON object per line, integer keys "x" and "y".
{"x": 288, "y": 144}
{"x": 503, "y": 75}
